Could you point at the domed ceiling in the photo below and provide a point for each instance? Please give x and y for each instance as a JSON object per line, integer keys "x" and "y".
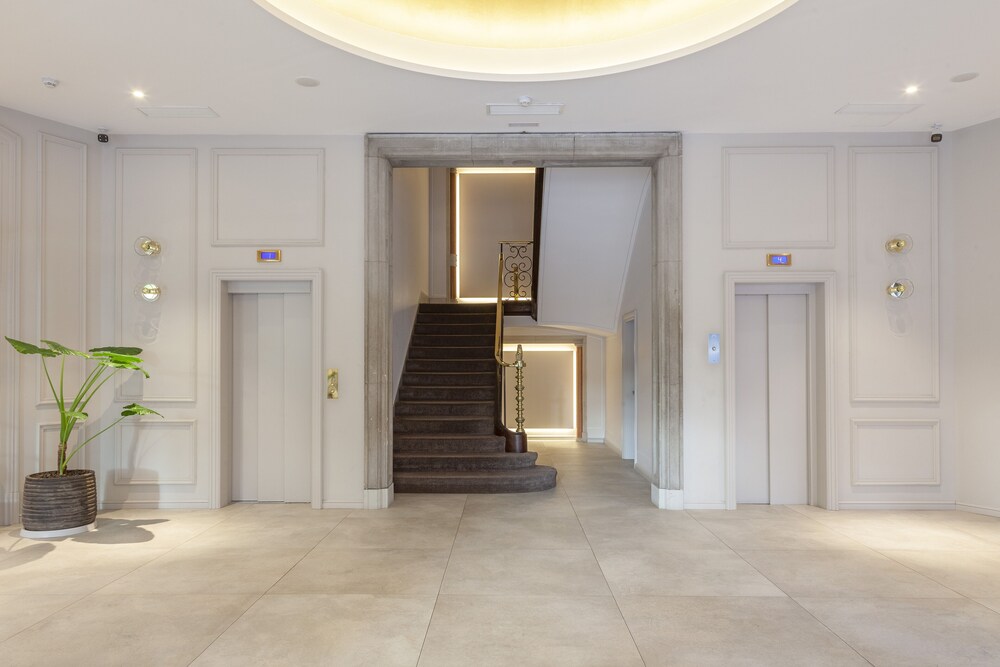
{"x": 523, "y": 40}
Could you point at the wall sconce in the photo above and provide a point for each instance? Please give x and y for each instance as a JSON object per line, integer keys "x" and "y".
{"x": 148, "y": 292}
{"x": 899, "y": 244}
{"x": 146, "y": 246}
{"x": 900, "y": 289}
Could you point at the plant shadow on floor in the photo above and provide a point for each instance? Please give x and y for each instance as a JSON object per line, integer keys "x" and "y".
{"x": 28, "y": 554}
{"x": 119, "y": 531}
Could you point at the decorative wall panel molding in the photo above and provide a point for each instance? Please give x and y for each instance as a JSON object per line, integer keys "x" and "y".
{"x": 10, "y": 227}
{"x": 62, "y": 252}
{"x": 268, "y": 196}
{"x": 781, "y": 197}
{"x": 157, "y": 453}
{"x": 895, "y": 452}
{"x": 46, "y": 452}
{"x": 157, "y": 198}
{"x": 894, "y": 342}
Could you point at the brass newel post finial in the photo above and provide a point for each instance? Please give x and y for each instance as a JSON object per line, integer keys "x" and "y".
{"x": 519, "y": 388}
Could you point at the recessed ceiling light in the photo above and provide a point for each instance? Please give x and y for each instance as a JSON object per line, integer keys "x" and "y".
{"x": 307, "y": 81}
{"x": 138, "y": 94}
{"x": 962, "y": 78}
{"x": 912, "y": 90}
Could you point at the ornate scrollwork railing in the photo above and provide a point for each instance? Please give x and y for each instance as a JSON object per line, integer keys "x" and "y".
{"x": 517, "y": 440}
{"x": 516, "y": 261}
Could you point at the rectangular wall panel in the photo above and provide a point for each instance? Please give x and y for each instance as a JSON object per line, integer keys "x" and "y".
{"x": 156, "y": 453}
{"x": 268, "y": 196}
{"x": 778, "y": 197}
{"x": 62, "y": 252}
{"x": 47, "y": 450}
{"x": 894, "y": 342}
{"x": 157, "y": 199}
{"x": 895, "y": 452}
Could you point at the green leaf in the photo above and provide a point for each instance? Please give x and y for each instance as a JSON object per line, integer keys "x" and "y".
{"x": 124, "y": 351}
{"x": 28, "y": 348}
{"x": 136, "y": 409}
{"x": 79, "y": 416}
{"x": 62, "y": 349}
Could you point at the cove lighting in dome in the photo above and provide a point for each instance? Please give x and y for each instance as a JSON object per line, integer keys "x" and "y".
{"x": 523, "y": 40}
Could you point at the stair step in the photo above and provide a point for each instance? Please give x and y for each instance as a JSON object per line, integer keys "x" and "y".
{"x": 449, "y": 379}
{"x": 455, "y": 393}
{"x": 457, "y": 318}
{"x": 448, "y": 340}
{"x": 444, "y": 444}
{"x": 457, "y": 308}
{"x": 459, "y": 352}
{"x": 451, "y": 365}
{"x": 521, "y": 480}
{"x": 423, "y": 462}
{"x": 445, "y": 408}
{"x": 472, "y": 425}
{"x": 453, "y": 328}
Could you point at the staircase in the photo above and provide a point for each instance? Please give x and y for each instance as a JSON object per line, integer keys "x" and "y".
{"x": 443, "y": 436}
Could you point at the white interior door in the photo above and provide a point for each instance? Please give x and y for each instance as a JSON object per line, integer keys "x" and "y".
{"x": 752, "y": 469}
{"x": 271, "y": 407}
{"x": 628, "y": 389}
{"x": 772, "y": 398}
{"x": 788, "y": 398}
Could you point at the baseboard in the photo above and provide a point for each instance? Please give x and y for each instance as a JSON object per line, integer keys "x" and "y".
{"x": 704, "y": 506}
{"x": 667, "y": 499}
{"x": 379, "y": 499}
{"x": 155, "y": 505}
{"x": 895, "y": 505}
{"x": 338, "y": 505}
{"x": 595, "y": 441}
{"x": 978, "y": 509}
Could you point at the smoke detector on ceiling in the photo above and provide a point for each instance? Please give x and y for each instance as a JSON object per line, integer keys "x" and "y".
{"x": 49, "y": 82}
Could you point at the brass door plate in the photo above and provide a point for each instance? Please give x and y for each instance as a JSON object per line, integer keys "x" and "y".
{"x": 333, "y": 383}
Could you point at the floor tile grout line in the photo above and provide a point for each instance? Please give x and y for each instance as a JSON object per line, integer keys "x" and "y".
{"x": 437, "y": 598}
{"x": 264, "y": 593}
{"x": 607, "y": 583}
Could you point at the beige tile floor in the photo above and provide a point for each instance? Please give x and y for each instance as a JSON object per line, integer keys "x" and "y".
{"x": 587, "y": 574}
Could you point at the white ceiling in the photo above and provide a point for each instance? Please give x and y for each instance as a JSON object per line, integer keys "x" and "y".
{"x": 789, "y": 74}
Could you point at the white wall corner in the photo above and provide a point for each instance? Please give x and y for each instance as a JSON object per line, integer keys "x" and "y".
{"x": 379, "y": 499}
{"x": 667, "y": 499}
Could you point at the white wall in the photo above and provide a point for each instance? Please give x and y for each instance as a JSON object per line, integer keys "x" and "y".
{"x": 977, "y": 320}
{"x": 410, "y": 259}
{"x": 746, "y": 201}
{"x": 175, "y": 188}
{"x": 637, "y": 302}
{"x": 589, "y": 218}
{"x": 493, "y": 207}
{"x": 50, "y": 206}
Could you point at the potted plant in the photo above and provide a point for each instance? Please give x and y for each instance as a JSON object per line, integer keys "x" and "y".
{"x": 64, "y": 501}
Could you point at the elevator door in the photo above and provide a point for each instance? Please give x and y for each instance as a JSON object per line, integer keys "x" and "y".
{"x": 772, "y": 398}
{"x": 271, "y": 407}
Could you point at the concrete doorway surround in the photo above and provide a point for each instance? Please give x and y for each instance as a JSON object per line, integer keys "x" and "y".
{"x": 661, "y": 151}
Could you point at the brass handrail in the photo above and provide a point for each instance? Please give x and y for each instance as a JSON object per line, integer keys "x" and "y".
{"x": 518, "y": 363}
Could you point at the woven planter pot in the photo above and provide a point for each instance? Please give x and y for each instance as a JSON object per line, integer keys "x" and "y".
{"x": 54, "y": 505}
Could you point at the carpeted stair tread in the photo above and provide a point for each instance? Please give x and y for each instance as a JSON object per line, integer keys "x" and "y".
{"x": 458, "y": 352}
{"x": 456, "y": 408}
{"x": 451, "y": 365}
{"x": 449, "y": 379}
{"x": 447, "y": 443}
{"x": 463, "y": 461}
{"x": 447, "y": 393}
{"x": 520, "y": 480}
